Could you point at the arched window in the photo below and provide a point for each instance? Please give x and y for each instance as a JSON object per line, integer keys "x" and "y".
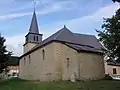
{"x": 68, "y": 62}
{"x": 29, "y": 59}
{"x": 37, "y": 38}
{"x": 43, "y": 54}
{"x": 34, "y": 38}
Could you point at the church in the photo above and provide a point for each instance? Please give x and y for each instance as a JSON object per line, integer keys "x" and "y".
{"x": 60, "y": 56}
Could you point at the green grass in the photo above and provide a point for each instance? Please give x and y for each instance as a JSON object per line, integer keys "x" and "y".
{"x": 17, "y": 84}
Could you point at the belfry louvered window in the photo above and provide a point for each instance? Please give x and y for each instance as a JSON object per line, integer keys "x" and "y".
{"x": 37, "y": 38}
{"x": 34, "y": 38}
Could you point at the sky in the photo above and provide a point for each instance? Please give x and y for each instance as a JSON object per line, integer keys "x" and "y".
{"x": 80, "y": 16}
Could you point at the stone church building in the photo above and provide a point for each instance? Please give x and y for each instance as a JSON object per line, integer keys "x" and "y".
{"x": 60, "y": 56}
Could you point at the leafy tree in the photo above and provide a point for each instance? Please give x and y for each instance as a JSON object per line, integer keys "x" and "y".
{"x": 116, "y": 1}
{"x": 110, "y": 36}
{"x": 4, "y": 55}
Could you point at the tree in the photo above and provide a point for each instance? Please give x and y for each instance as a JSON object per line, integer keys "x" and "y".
{"x": 116, "y": 1}
{"x": 4, "y": 55}
{"x": 110, "y": 36}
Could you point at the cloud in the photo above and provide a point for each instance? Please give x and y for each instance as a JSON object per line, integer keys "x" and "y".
{"x": 15, "y": 44}
{"x": 54, "y": 7}
{"x": 82, "y": 24}
{"x": 94, "y": 21}
{"x": 88, "y": 24}
{"x": 14, "y": 15}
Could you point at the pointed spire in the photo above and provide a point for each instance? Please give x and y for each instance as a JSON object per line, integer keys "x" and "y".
{"x": 34, "y": 24}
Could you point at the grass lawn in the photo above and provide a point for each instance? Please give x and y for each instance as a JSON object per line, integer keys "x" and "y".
{"x": 17, "y": 84}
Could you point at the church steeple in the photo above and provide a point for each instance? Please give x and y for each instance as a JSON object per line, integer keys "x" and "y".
{"x": 34, "y": 24}
{"x": 33, "y": 37}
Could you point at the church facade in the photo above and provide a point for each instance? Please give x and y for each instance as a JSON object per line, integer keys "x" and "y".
{"x": 60, "y": 56}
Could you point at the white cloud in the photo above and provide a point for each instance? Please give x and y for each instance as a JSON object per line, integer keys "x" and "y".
{"x": 93, "y": 21}
{"x": 57, "y": 6}
{"x": 107, "y": 11}
{"x": 14, "y": 15}
{"x": 15, "y": 43}
{"x": 86, "y": 23}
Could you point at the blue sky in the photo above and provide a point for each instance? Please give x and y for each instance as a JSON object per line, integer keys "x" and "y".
{"x": 81, "y": 16}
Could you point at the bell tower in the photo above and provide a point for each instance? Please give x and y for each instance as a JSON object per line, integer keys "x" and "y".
{"x": 33, "y": 37}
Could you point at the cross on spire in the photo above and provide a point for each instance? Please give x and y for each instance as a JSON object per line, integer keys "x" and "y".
{"x": 34, "y": 25}
{"x": 34, "y": 5}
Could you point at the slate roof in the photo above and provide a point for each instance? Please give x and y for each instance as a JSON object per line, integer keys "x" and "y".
{"x": 79, "y": 42}
{"x": 34, "y": 25}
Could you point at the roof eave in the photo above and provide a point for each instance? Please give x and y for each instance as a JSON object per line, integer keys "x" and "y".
{"x": 78, "y": 50}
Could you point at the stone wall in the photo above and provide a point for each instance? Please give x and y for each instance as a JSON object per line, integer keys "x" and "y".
{"x": 60, "y": 63}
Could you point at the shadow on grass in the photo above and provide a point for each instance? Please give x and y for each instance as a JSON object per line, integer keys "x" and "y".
{"x": 10, "y": 81}
{"x": 18, "y": 84}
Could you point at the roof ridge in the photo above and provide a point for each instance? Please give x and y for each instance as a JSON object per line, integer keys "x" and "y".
{"x": 63, "y": 29}
{"x": 84, "y": 34}
{"x": 58, "y": 34}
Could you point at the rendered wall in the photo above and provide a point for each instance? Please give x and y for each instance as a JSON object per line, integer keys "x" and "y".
{"x": 39, "y": 69}
{"x": 64, "y": 66}
{"x": 28, "y": 47}
{"x": 56, "y": 66}
{"x": 91, "y": 66}
{"x": 109, "y": 70}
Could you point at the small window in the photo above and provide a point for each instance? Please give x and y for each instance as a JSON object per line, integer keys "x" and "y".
{"x": 43, "y": 54}
{"x": 114, "y": 71}
{"x": 24, "y": 60}
{"x": 29, "y": 59}
{"x": 34, "y": 38}
{"x": 68, "y": 62}
{"x": 37, "y": 38}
